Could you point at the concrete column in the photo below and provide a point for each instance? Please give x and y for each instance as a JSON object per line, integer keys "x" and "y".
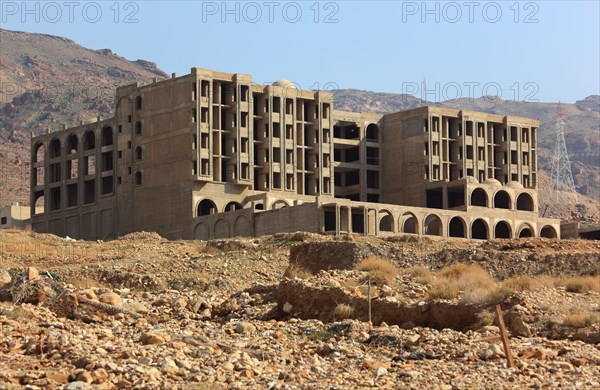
{"x": 337, "y": 220}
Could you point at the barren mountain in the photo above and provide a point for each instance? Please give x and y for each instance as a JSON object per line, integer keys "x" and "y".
{"x": 47, "y": 81}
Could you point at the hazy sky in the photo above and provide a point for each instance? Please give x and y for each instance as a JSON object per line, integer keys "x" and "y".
{"x": 536, "y": 50}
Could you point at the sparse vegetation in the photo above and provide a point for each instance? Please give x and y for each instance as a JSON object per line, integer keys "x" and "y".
{"x": 343, "y": 311}
{"x": 421, "y": 274}
{"x": 443, "y": 291}
{"x": 521, "y": 283}
{"x": 484, "y": 318}
{"x": 580, "y": 319}
{"x": 380, "y": 270}
{"x": 582, "y": 284}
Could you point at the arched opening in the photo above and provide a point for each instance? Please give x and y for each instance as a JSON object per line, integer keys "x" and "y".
{"x": 201, "y": 232}
{"x": 54, "y": 148}
{"x": 548, "y": 232}
{"x": 38, "y": 153}
{"x": 138, "y": 178}
{"x": 232, "y": 206}
{"x": 525, "y": 202}
{"x": 89, "y": 140}
{"x": 456, "y": 227}
{"x": 479, "y": 230}
{"x": 386, "y": 223}
{"x": 502, "y": 200}
{"x": 372, "y": 132}
{"x": 138, "y": 103}
{"x": 479, "y": 198}
{"x": 410, "y": 224}
{"x": 139, "y": 153}
{"x": 280, "y": 204}
{"x": 72, "y": 144}
{"x": 242, "y": 227}
{"x": 525, "y": 232}
{"x": 38, "y": 203}
{"x": 206, "y": 207}
{"x": 259, "y": 206}
{"x": 221, "y": 229}
{"x": 106, "y": 136}
{"x": 432, "y": 225}
{"x": 138, "y": 127}
{"x": 502, "y": 230}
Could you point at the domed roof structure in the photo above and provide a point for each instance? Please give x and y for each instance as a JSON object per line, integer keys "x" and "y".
{"x": 492, "y": 181}
{"x": 285, "y": 84}
{"x": 514, "y": 184}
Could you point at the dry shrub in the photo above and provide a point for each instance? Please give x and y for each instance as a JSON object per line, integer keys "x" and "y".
{"x": 443, "y": 291}
{"x": 521, "y": 283}
{"x": 343, "y": 311}
{"x": 580, "y": 319}
{"x": 582, "y": 284}
{"x": 421, "y": 274}
{"x": 380, "y": 270}
{"x": 484, "y": 318}
{"x": 477, "y": 285}
{"x": 546, "y": 281}
{"x": 467, "y": 276}
{"x": 485, "y": 296}
{"x": 297, "y": 271}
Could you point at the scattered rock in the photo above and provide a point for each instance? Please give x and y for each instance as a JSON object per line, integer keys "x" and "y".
{"x": 110, "y": 298}
{"x": 245, "y": 328}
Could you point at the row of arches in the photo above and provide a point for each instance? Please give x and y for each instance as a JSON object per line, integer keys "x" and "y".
{"x": 209, "y": 207}
{"x": 458, "y": 227}
{"x": 72, "y": 144}
{"x": 223, "y": 228}
{"x": 502, "y": 200}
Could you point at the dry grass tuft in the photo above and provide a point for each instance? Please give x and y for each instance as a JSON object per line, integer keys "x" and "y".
{"x": 485, "y": 296}
{"x": 484, "y": 318}
{"x": 380, "y": 270}
{"x": 421, "y": 274}
{"x": 477, "y": 286}
{"x": 521, "y": 283}
{"x": 297, "y": 271}
{"x": 582, "y": 284}
{"x": 343, "y": 311}
{"x": 443, "y": 291}
{"x": 580, "y": 319}
{"x": 546, "y": 281}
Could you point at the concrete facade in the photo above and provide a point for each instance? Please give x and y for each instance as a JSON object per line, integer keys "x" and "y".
{"x": 184, "y": 156}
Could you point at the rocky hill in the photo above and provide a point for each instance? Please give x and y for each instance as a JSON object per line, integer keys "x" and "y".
{"x": 47, "y": 81}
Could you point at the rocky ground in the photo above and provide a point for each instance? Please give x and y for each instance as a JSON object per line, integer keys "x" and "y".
{"x": 144, "y": 312}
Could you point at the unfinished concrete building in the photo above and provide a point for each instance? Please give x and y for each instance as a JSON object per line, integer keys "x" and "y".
{"x": 213, "y": 155}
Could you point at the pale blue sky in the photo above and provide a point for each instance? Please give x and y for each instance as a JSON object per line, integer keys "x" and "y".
{"x": 381, "y": 46}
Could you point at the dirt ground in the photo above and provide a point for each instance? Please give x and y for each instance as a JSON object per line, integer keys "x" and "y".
{"x": 145, "y": 312}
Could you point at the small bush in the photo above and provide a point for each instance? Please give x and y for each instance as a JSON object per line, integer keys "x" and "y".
{"x": 580, "y": 319}
{"x": 467, "y": 276}
{"x": 485, "y": 296}
{"x": 443, "y": 290}
{"x": 546, "y": 281}
{"x": 297, "y": 271}
{"x": 343, "y": 311}
{"x": 421, "y": 274}
{"x": 380, "y": 270}
{"x": 484, "y": 318}
{"x": 582, "y": 284}
{"x": 521, "y": 283}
